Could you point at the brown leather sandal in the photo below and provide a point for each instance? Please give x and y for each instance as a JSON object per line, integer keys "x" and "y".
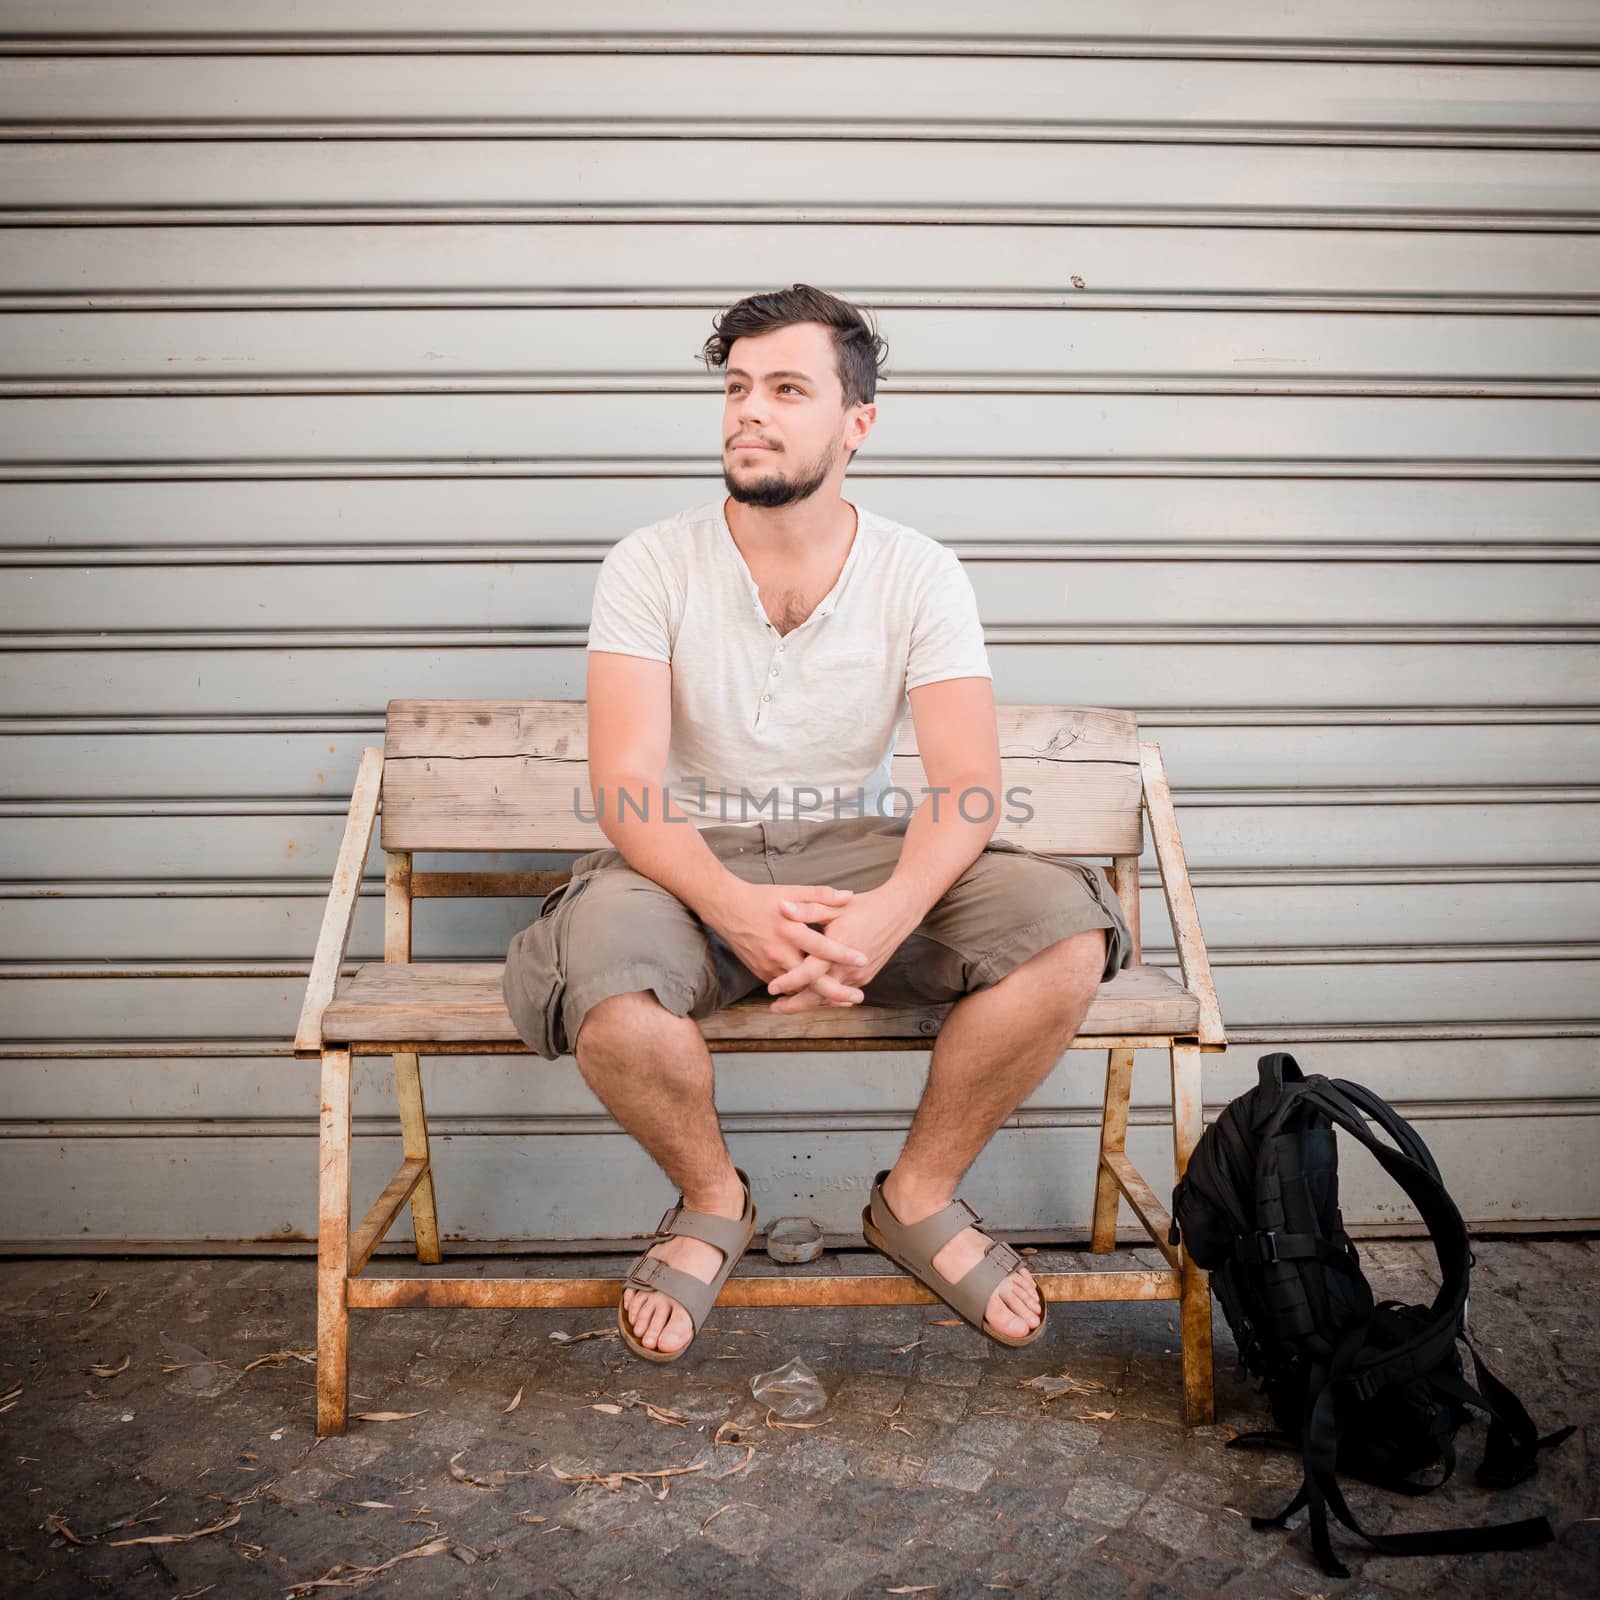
{"x": 696, "y": 1297}
{"x": 913, "y": 1246}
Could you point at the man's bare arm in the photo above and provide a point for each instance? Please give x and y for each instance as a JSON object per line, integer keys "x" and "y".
{"x": 630, "y": 728}
{"x": 959, "y": 742}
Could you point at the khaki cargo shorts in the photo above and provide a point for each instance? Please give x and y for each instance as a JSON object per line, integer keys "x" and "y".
{"x": 611, "y": 930}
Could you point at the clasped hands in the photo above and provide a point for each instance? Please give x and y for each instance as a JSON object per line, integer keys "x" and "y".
{"x": 772, "y": 929}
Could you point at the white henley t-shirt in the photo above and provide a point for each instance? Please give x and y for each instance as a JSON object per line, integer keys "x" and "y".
{"x": 767, "y": 726}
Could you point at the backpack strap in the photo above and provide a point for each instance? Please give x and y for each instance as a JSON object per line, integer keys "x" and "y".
{"x": 1511, "y": 1455}
{"x": 1412, "y": 1167}
{"x": 1319, "y": 1490}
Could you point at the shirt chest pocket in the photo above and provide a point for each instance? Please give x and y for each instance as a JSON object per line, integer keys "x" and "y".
{"x": 861, "y": 662}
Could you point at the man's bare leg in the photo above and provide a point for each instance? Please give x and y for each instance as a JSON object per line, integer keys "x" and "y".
{"x": 995, "y": 1048}
{"x": 652, "y": 1071}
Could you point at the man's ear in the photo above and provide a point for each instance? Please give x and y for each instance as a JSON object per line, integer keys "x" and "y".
{"x": 865, "y": 416}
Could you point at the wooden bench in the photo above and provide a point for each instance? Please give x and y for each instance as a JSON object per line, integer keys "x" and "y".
{"x": 501, "y": 775}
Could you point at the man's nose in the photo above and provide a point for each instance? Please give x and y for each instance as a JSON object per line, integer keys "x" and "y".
{"x": 750, "y": 409}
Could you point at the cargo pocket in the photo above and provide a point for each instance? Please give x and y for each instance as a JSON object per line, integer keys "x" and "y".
{"x": 1119, "y": 939}
{"x": 560, "y": 893}
{"x": 535, "y": 981}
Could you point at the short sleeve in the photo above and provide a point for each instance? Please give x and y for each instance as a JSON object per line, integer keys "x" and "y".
{"x": 632, "y": 611}
{"x": 946, "y": 632}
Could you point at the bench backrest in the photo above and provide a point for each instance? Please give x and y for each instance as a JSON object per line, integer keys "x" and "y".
{"x": 503, "y": 775}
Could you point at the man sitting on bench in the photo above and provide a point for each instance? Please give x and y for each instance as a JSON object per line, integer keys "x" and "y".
{"x": 761, "y": 650}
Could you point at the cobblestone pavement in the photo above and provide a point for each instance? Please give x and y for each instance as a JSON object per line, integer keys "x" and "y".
{"x": 934, "y": 1470}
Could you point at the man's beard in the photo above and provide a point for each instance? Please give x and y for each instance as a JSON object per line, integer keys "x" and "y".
{"x": 776, "y": 490}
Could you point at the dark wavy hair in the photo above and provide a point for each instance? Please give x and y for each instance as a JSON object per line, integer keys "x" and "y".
{"x": 858, "y": 350}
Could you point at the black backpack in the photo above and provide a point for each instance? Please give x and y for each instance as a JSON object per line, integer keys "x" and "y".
{"x": 1374, "y": 1391}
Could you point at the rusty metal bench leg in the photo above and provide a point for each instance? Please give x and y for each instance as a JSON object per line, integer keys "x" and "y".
{"x": 333, "y": 1244}
{"x": 414, "y": 1132}
{"x": 1188, "y": 1115}
{"x": 1113, "y": 1138}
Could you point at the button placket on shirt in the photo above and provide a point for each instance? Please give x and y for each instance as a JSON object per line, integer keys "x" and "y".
{"x": 778, "y": 649}
{"x": 773, "y": 670}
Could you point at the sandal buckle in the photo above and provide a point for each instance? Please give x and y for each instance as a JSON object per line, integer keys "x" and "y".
{"x": 1004, "y": 1256}
{"x": 968, "y": 1209}
{"x": 668, "y": 1217}
{"x": 646, "y": 1272}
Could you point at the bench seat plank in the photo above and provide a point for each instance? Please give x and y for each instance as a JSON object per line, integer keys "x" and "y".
{"x": 459, "y": 1001}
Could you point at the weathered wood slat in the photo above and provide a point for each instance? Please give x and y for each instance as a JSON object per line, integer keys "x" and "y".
{"x": 525, "y": 803}
{"x": 503, "y": 1047}
{"x": 374, "y": 1227}
{"x": 339, "y": 915}
{"x": 477, "y": 775}
{"x": 1150, "y": 1212}
{"x": 333, "y": 1244}
{"x": 799, "y": 1289}
{"x": 485, "y": 885}
{"x": 558, "y": 730}
{"x": 398, "y": 888}
{"x": 1113, "y": 1140}
{"x": 1192, "y": 957}
{"x": 1188, "y": 1120}
{"x": 449, "y": 1001}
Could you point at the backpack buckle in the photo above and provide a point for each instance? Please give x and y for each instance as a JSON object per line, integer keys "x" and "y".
{"x": 1267, "y": 1244}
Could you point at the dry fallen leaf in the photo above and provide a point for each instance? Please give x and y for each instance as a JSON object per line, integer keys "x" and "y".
{"x": 900, "y": 1427}
{"x": 946, "y": 1322}
{"x": 774, "y": 1421}
{"x": 110, "y": 1372}
{"x": 528, "y": 1516}
{"x": 361, "y": 1575}
{"x": 56, "y": 1524}
{"x": 1053, "y": 1388}
{"x": 632, "y": 1397}
{"x": 389, "y": 1416}
{"x": 913, "y": 1588}
{"x": 181, "y": 1538}
{"x": 559, "y": 1337}
{"x": 516, "y": 1400}
{"x": 1095, "y": 1416}
{"x": 610, "y": 1410}
{"x": 373, "y": 1505}
{"x": 736, "y": 1441}
{"x": 497, "y": 1479}
{"x": 274, "y": 1357}
{"x": 615, "y": 1480}
{"x": 901, "y": 1349}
